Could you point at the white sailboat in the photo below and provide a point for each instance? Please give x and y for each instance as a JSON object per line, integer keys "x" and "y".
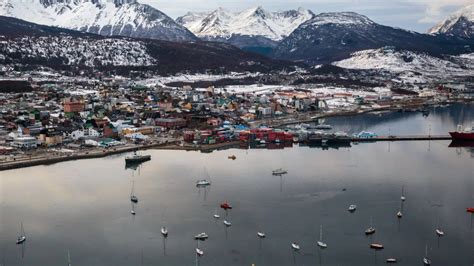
{"x": 216, "y": 216}
{"x": 295, "y": 246}
{"x": 227, "y": 223}
{"x": 399, "y": 214}
{"x": 133, "y": 198}
{"x": 68, "y": 258}
{"x": 320, "y": 243}
{"x": 22, "y": 237}
{"x": 371, "y": 229}
{"x": 426, "y": 260}
{"x": 261, "y": 234}
{"x": 352, "y": 208}
{"x": 164, "y": 231}
{"x": 402, "y": 197}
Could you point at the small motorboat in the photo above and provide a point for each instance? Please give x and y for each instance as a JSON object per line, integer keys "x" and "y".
{"x": 226, "y": 206}
{"x": 470, "y": 210}
{"x": 201, "y": 236}
{"x": 279, "y": 171}
{"x": 164, "y": 231}
{"x": 352, "y": 208}
{"x": 295, "y": 246}
{"x": 227, "y": 223}
{"x": 134, "y": 199}
{"x": 391, "y": 260}
{"x": 232, "y": 157}
{"x": 439, "y": 232}
{"x": 370, "y": 231}
{"x": 261, "y": 234}
{"x": 133, "y": 212}
{"x": 203, "y": 183}
{"x": 199, "y": 252}
{"x": 399, "y": 214}
{"x": 217, "y": 216}
{"x": 376, "y": 246}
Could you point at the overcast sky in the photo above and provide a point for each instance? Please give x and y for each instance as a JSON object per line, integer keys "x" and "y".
{"x": 417, "y": 15}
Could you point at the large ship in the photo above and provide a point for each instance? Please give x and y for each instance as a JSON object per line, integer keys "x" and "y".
{"x": 463, "y": 134}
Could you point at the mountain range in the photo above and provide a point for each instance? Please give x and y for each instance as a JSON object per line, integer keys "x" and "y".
{"x": 294, "y": 35}
{"x": 25, "y": 45}
{"x": 106, "y": 17}
{"x": 249, "y": 28}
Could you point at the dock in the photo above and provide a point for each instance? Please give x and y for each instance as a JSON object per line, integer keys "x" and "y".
{"x": 403, "y": 138}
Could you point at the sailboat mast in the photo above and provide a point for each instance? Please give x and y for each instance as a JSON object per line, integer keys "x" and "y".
{"x": 320, "y": 233}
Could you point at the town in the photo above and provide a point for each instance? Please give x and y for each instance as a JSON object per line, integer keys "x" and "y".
{"x": 68, "y": 118}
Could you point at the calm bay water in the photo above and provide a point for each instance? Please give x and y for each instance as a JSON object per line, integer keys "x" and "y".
{"x": 84, "y": 206}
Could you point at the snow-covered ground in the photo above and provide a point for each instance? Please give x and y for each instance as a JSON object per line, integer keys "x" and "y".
{"x": 161, "y": 81}
{"x": 72, "y": 51}
{"x": 406, "y": 61}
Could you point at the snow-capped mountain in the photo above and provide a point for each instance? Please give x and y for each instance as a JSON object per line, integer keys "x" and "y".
{"x": 106, "y": 17}
{"x": 25, "y": 45}
{"x": 331, "y": 37}
{"x": 251, "y": 22}
{"x": 410, "y": 66}
{"x": 460, "y": 23}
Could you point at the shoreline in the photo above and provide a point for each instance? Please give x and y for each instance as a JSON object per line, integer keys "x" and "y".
{"x": 99, "y": 153}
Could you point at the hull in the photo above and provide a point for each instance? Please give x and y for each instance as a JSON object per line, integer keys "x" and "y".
{"x": 462, "y": 136}
{"x": 138, "y": 159}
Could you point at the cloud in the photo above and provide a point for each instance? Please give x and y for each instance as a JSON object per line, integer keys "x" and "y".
{"x": 436, "y": 9}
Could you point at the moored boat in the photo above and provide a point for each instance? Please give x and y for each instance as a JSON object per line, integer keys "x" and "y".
{"x": 439, "y": 232}
{"x": 137, "y": 158}
{"x": 295, "y": 246}
{"x": 22, "y": 237}
{"x": 201, "y": 236}
{"x": 279, "y": 171}
{"x": 164, "y": 231}
{"x": 199, "y": 252}
{"x": 226, "y": 206}
{"x": 352, "y": 208}
{"x": 471, "y": 210}
{"x": 203, "y": 183}
{"x": 376, "y": 246}
{"x": 391, "y": 260}
{"x": 261, "y": 234}
{"x": 227, "y": 223}
{"x": 463, "y": 134}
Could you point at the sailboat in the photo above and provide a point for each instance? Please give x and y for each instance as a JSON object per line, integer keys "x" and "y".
{"x": 21, "y": 238}
{"x": 164, "y": 231}
{"x": 261, "y": 234}
{"x": 439, "y": 232}
{"x": 399, "y": 214}
{"x": 68, "y": 258}
{"x": 391, "y": 260}
{"x": 352, "y": 208}
{"x": 199, "y": 252}
{"x": 295, "y": 246}
{"x": 320, "y": 243}
{"x": 227, "y": 223}
{"x": 216, "y": 216}
{"x": 402, "y": 197}
{"x": 279, "y": 171}
{"x": 371, "y": 229}
{"x": 133, "y": 198}
{"x": 426, "y": 260}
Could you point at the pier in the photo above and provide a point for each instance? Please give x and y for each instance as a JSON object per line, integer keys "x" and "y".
{"x": 403, "y": 138}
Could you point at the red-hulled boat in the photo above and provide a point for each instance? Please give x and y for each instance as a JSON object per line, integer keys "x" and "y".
{"x": 471, "y": 210}
{"x": 463, "y": 134}
{"x": 226, "y": 206}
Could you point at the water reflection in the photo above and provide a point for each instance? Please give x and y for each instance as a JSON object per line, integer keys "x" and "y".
{"x": 84, "y": 205}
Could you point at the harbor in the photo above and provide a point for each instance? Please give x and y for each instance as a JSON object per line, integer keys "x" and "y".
{"x": 295, "y": 195}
